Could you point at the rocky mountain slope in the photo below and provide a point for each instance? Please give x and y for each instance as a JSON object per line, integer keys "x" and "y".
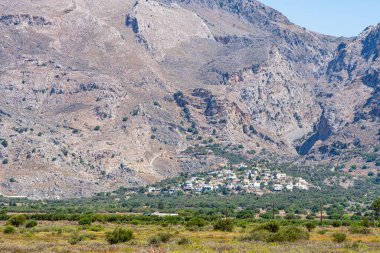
{"x": 96, "y": 95}
{"x": 350, "y": 95}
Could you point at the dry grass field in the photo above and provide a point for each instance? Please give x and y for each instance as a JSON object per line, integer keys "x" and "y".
{"x": 67, "y": 237}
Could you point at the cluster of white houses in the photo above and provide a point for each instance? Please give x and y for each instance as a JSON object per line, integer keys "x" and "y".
{"x": 239, "y": 179}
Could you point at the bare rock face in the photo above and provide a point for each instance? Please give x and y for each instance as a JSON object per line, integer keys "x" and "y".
{"x": 350, "y": 96}
{"x": 102, "y": 94}
{"x": 357, "y": 60}
{"x": 357, "y": 67}
{"x": 162, "y": 26}
{"x": 24, "y": 19}
{"x": 279, "y": 99}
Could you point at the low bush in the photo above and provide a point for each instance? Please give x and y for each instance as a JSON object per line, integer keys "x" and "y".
{"x": 96, "y": 228}
{"x": 119, "y": 235}
{"x": 184, "y": 241}
{"x": 258, "y": 235}
{"x": 164, "y": 237}
{"x": 76, "y": 237}
{"x": 360, "y": 230}
{"x": 310, "y": 216}
{"x": 289, "y": 234}
{"x": 283, "y": 234}
{"x": 310, "y": 226}
{"x": 336, "y": 223}
{"x": 272, "y": 226}
{"x": 354, "y": 245}
{"x": 196, "y": 222}
{"x": 366, "y": 222}
{"x": 224, "y": 225}
{"x": 85, "y": 221}
{"x": 17, "y": 220}
{"x": 160, "y": 238}
{"x": 135, "y": 222}
{"x": 9, "y": 230}
{"x": 339, "y": 237}
{"x": 31, "y": 224}
{"x": 154, "y": 241}
{"x": 291, "y": 216}
{"x": 58, "y": 231}
{"x": 322, "y": 232}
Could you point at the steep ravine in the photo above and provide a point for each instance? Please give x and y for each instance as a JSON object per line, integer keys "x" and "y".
{"x": 322, "y": 133}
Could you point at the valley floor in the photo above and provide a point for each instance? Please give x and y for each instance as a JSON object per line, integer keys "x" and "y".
{"x": 61, "y": 237}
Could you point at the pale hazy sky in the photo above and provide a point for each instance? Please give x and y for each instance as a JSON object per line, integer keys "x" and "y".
{"x": 333, "y": 17}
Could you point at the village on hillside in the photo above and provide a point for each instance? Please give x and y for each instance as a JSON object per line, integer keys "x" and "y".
{"x": 236, "y": 179}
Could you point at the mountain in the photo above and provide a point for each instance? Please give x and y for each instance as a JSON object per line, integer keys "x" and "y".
{"x": 98, "y": 95}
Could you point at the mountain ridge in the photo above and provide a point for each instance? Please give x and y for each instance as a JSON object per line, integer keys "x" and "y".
{"x": 99, "y": 96}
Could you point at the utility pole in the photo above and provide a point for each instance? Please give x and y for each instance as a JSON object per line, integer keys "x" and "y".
{"x": 226, "y": 211}
{"x": 273, "y": 210}
{"x": 321, "y": 213}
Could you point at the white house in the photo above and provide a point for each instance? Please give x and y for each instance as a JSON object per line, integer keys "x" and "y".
{"x": 256, "y": 185}
{"x": 280, "y": 176}
{"x": 301, "y": 184}
{"x": 226, "y": 172}
{"x": 289, "y": 187}
{"x": 207, "y": 187}
{"x": 153, "y": 189}
{"x": 278, "y": 187}
{"x": 231, "y": 176}
{"x": 188, "y": 186}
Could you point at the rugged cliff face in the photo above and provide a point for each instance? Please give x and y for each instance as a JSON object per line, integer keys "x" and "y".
{"x": 350, "y": 95}
{"x": 357, "y": 64}
{"x": 96, "y": 95}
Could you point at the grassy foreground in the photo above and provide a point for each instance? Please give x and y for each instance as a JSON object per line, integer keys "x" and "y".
{"x": 66, "y": 236}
